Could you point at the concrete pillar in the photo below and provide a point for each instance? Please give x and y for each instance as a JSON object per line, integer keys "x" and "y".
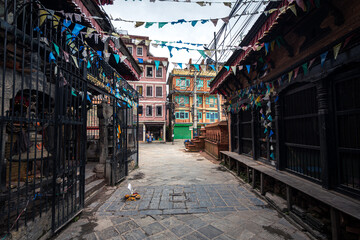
{"x": 104, "y": 113}
{"x": 164, "y": 132}
{"x": 144, "y": 132}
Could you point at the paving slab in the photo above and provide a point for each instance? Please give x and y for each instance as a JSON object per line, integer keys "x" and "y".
{"x": 181, "y": 198}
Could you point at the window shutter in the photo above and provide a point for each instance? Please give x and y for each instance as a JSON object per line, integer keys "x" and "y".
{"x": 177, "y": 115}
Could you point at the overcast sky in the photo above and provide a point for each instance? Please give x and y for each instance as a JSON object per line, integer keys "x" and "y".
{"x": 169, "y": 11}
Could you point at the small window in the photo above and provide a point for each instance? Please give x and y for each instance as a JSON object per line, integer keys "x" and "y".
{"x": 139, "y": 89}
{"x": 148, "y": 111}
{"x": 149, "y": 72}
{"x": 130, "y": 50}
{"x": 199, "y": 83}
{"x": 159, "y": 111}
{"x": 159, "y": 72}
{"x": 199, "y": 115}
{"x": 149, "y": 91}
{"x": 211, "y": 101}
{"x": 183, "y": 83}
{"x": 182, "y": 100}
{"x": 199, "y": 101}
{"x": 139, "y": 51}
{"x": 182, "y": 115}
{"x": 159, "y": 91}
{"x": 212, "y": 116}
{"x": 140, "y": 110}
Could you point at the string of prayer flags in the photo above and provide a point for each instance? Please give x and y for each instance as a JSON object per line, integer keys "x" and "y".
{"x": 197, "y": 67}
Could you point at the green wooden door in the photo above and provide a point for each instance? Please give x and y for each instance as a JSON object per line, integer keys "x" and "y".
{"x": 182, "y": 132}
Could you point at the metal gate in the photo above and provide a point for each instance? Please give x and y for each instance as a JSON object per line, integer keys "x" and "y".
{"x": 43, "y": 98}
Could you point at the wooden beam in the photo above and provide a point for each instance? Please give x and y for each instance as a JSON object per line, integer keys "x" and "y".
{"x": 253, "y": 178}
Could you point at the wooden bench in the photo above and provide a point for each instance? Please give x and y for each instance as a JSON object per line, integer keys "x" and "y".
{"x": 335, "y": 200}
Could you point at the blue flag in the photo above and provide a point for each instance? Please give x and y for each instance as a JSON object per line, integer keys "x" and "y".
{"x": 157, "y": 63}
{"x": 77, "y": 29}
{"x": 323, "y": 58}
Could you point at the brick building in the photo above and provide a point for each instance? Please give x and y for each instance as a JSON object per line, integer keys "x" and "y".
{"x": 181, "y": 87}
{"x": 151, "y": 87}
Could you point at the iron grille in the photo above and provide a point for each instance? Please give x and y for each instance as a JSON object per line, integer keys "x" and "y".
{"x": 301, "y": 127}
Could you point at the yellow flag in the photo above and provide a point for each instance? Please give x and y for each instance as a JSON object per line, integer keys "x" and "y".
{"x": 290, "y": 75}
{"x": 293, "y": 9}
{"x": 336, "y": 50}
{"x": 43, "y": 14}
{"x": 55, "y": 20}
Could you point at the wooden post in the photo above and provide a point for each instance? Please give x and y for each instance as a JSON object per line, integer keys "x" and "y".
{"x": 237, "y": 168}
{"x": 253, "y": 178}
{"x": 262, "y": 187}
{"x": 248, "y": 174}
{"x": 288, "y": 197}
{"x": 335, "y": 224}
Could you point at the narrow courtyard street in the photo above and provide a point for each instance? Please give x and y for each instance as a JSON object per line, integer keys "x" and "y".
{"x": 183, "y": 196}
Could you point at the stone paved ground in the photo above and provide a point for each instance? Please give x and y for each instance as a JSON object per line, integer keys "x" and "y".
{"x": 183, "y": 196}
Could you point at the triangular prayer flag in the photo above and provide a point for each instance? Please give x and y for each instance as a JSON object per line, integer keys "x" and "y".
{"x": 323, "y": 58}
{"x": 272, "y": 156}
{"x": 267, "y": 47}
{"x": 180, "y": 65}
{"x": 234, "y": 69}
{"x": 193, "y": 23}
{"x": 141, "y": 60}
{"x": 305, "y": 68}
{"x": 157, "y": 63}
{"x": 270, "y": 118}
{"x": 293, "y": 9}
{"x": 228, "y": 4}
{"x": 164, "y": 63}
{"x": 55, "y": 21}
{"x": 43, "y": 15}
{"x": 347, "y": 40}
{"x": 88, "y": 64}
{"x": 201, "y": 3}
{"x": 77, "y": 29}
{"x": 336, "y": 50}
{"x": 296, "y": 71}
{"x": 149, "y": 24}
{"x": 73, "y": 92}
{"x": 117, "y": 57}
{"x": 66, "y": 24}
{"x": 66, "y": 56}
{"x": 265, "y": 131}
{"x": 204, "y": 21}
{"x": 271, "y": 133}
{"x": 225, "y": 19}
{"x": 290, "y": 75}
{"x": 213, "y": 67}
{"x": 227, "y": 67}
{"x": 51, "y": 57}
{"x": 138, "y": 24}
{"x": 147, "y": 42}
{"x": 301, "y": 4}
{"x": 202, "y": 53}
{"x": 162, "y": 24}
{"x": 75, "y": 61}
{"x": 56, "y": 49}
{"x": 122, "y": 58}
{"x": 272, "y": 45}
{"x": 207, "y": 52}
{"x": 311, "y": 62}
{"x": 214, "y": 21}
{"x": 170, "y": 48}
{"x": 197, "y": 66}
{"x": 248, "y": 68}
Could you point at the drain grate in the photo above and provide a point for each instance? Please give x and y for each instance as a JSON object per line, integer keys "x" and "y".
{"x": 178, "y": 198}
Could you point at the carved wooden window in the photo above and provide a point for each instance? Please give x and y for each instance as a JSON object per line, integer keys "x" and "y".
{"x": 246, "y": 135}
{"x": 347, "y": 119}
{"x": 301, "y": 131}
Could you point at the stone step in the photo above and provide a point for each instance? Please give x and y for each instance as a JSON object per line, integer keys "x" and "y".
{"x": 89, "y": 177}
{"x": 93, "y": 187}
